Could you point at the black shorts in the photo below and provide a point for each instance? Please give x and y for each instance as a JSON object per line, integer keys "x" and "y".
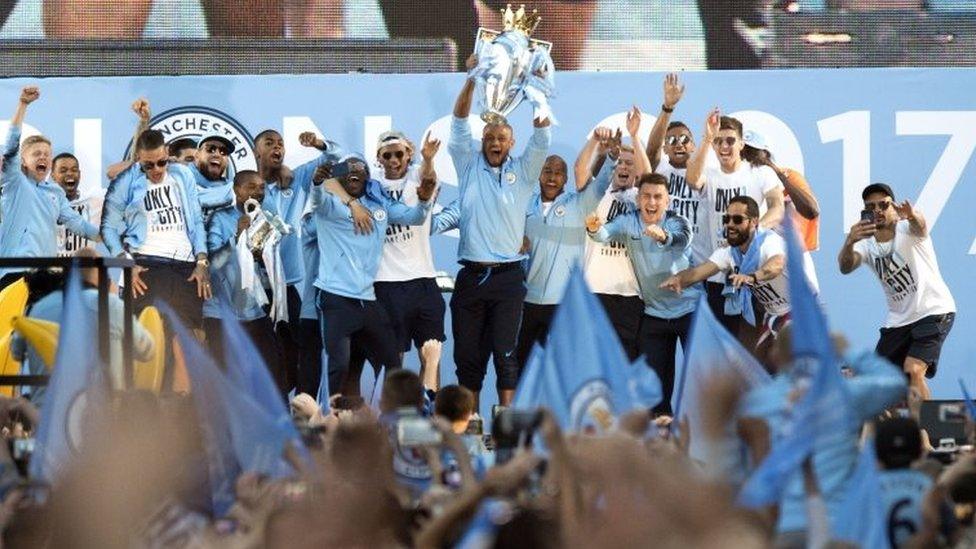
{"x": 416, "y": 309}
{"x": 921, "y": 339}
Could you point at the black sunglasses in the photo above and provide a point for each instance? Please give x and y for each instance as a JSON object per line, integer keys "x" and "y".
{"x": 880, "y": 206}
{"x": 673, "y": 140}
{"x": 388, "y": 155}
{"x": 212, "y": 148}
{"x": 729, "y": 141}
{"x": 157, "y": 164}
{"x": 736, "y": 219}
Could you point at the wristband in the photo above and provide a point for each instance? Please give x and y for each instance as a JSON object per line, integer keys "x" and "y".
{"x": 350, "y": 201}
{"x": 665, "y": 108}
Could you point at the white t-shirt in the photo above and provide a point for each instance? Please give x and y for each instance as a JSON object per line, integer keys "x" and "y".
{"x": 687, "y": 203}
{"x": 607, "y": 265}
{"x": 406, "y": 248}
{"x": 166, "y": 233}
{"x": 720, "y": 187}
{"x": 909, "y": 275}
{"x": 774, "y": 294}
{"x": 90, "y": 209}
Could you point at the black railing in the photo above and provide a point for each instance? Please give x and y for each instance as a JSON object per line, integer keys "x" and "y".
{"x": 102, "y": 264}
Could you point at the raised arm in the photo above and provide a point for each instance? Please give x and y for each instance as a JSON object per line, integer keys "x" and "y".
{"x": 141, "y": 108}
{"x": 331, "y": 151}
{"x": 848, "y": 259}
{"x": 673, "y": 90}
{"x": 696, "y": 164}
{"x": 593, "y": 192}
{"x": 427, "y": 153}
{"x": 916, "y": 221}
{"x": 640, "y": 154}
{"x": 595, "y": 145}
{"x": 11, "y": 151}
{"x": 775, "y": 208}
{"x": 535, "y": 154}
{"x": 799, "y": 192}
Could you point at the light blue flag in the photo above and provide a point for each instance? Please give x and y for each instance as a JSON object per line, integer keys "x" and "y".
{"x": 644, "y": 385}
{"x": 861, "y": 518}
{"x": 374, "y": 397}
{"x": 823, "y": 408}
{"x": 527, "y": 392}
{"x": 583, "y": 376}
{"x": 367, "y": 382}
{"x": 76, "y": 390}
{"x": 323, "y": 395}
{"x": 712, "y": 351}
{"x": 222, "y": 464}
{"x": 970, "y": 405}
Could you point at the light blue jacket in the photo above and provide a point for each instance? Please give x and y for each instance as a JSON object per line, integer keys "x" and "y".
{"x": 31, "y": 210}
{"x": 655, "y": 261}
{"x": 557, "y": 239}
{"x": 876, "y": 385}
{"x": 493, "y": 201}
{"x": 290, "y": 203}
{"x": 212, "y": 194}
{"x": 225, "y": 270}
{"x": 310, "y": 255}
{"x": 348, "y": 261}
{"x": 124, "y": 215}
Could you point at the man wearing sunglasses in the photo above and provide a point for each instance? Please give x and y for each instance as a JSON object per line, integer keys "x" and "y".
{"x": 495, "y": 189}
{"x": 659, "y": 242}
{"x": 152, "y": 212}
{"x": 209, "y": 168}
{"x": 718, "y": 185}
{"x": 677, "y": 143}
{"x": 286, "y": 195}
{"x": 893, "y": 240}
{"x": 32, "y": 205}
{"x": 406, "y": 282}
{"x": 752, "y": 266}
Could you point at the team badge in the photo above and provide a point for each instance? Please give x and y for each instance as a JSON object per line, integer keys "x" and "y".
{"x": 379, "y": 214}
{"x": 590, "y": 409}
{"x": 195, "y": 121}
{"x": 560, "y": 211}
{"x": 286, "y": 193}
{"x": 510, "y": 177}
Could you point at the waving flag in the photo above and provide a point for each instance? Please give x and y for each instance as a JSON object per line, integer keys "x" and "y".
{"x": 527, "y": 392}
{"x": 75, "y": 391}
{"x": 712, "y": 352}
{"x": 374, "y": 397}
{"x": 861, "y": 519}
{"x": 823, "y": 408}
{"x": 643, "y": 384}
{"x": 582, "y": 375}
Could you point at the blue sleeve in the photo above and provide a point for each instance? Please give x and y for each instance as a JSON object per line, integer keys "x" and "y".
{"x": 876, "y": 385}
{"x": 11, "y": 158}
{"x": 217, "y": 235}
{"x": 330, "y": 205}
{"x": 113, "y": 210}
{"x": 679, "y": 232}
{"x": 198, "y": 234}
{"x": 399, "y": 212}
{"x": 71, "y": 219}
{"x": 460, "y": 145}
{"x": 611, "y": 231}
{"x": 446, "y": 219}
{"x": 303, "y": 174}
{"x": 591, "y": 195}
{"x": 535, "y": 155}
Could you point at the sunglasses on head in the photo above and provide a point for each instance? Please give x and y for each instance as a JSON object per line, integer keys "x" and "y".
{"x": 673, "y": 140}
{"x": 388, "y": 155}
{"x": 728, "y": 140}
{"x": 157, "y": 164}
{"x": 735, "y": 219}
{"x": 880, "y": 206}
{"x": 214, "y": 148}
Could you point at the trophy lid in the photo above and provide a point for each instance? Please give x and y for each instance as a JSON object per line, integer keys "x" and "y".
{"x": 519, "y": 20}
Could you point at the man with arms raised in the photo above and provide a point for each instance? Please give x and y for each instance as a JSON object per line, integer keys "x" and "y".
{"x": 495, "y": 189}
{"x": 733, "y": 177}
{"x": 31, "y": 205}
{"x": 893, "y": 239}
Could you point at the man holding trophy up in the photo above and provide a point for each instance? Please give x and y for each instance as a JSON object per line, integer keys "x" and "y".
{"x": 495, "y": 189}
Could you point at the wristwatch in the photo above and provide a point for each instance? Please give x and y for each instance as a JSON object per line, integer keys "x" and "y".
{"x": 203, "y": 262}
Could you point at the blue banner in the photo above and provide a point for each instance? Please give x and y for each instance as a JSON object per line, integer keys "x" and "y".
{"x": 912, "y": 128}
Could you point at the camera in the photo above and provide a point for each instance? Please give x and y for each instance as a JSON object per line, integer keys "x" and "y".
{"x": 513, "y": 429}
{"x": 414, "y": 431}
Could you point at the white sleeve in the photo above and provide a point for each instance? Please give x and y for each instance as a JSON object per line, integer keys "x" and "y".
{"x": 773, "y": 245}
{"x": 768, "y": 179}
{"x": 723, "y": 258}
{"x": 861, "y": 248}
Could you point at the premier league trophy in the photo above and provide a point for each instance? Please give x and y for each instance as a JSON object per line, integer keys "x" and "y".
{"x": 512, "y": 67}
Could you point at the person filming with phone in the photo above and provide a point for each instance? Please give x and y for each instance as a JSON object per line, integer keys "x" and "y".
{"x": 893, "y": 239}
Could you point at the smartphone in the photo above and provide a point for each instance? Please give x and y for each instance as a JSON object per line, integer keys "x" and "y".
{"x": 415, "y": 431}
{"x": 867, "y": 216}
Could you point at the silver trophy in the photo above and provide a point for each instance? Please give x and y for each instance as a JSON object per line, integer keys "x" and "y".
{"x": 513, "y": 67}
{"x": 265, "y": 229}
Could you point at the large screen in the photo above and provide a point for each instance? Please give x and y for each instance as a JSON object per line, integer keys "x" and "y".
{"x": 617, "y": 35}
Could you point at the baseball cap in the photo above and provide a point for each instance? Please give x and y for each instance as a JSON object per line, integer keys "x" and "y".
{"x": 755, "y": 140}
{"x": 392, "y": 138}
{"x": 215, "y": 136}
{"x": 898, "y": 441}
{"x": 877, "y": 188}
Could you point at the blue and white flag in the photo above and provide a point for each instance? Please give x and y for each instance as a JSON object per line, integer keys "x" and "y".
{"x": 861, "y": 519}
{"x": 527, "y": 392}
{"x": 644, "y": 385}
{"x": 712, "y": 352}
{"x": 76, "y": 391}
{"x": 823, "y": 408}
{"x": 374, "y": 398}
{"x": 583, "y": 374}
{"x": 367, "y": 382}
